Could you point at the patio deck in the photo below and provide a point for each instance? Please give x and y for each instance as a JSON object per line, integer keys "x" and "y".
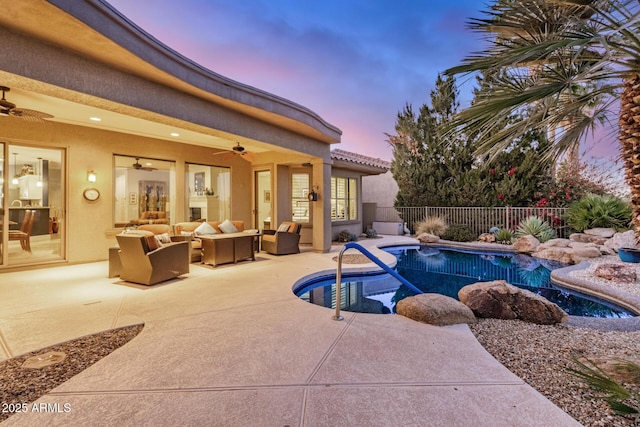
{"x": 233, "y": 346}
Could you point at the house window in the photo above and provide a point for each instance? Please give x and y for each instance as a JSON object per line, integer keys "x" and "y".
{"x": 299, "y": 197}
{"x": 144, "y": 191}
{"x": 344, "y": 199}
{"x": 209, "y": 192}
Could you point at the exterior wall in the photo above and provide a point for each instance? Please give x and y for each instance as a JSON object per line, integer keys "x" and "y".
{"x": 353, "y": 226}
{"x": 379, "y": 189}
{"x": 90, "y": 225}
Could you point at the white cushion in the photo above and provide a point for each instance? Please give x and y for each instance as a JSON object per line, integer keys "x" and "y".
{"x": 163, "y": 238}
{"x": 227, "y": 227}
{"x": 204, "y": 229}
{"x": 283, "y": 227}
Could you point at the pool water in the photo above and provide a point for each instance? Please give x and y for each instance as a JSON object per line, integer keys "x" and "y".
{"x": 446, "y": 271}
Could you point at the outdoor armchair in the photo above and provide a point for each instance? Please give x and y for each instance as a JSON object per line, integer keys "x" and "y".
{"x": 284, "y": 240}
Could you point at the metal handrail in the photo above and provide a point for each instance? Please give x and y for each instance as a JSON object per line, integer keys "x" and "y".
{"x": 377, "y": 261}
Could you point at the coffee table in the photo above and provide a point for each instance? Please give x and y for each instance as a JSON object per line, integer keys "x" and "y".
{"x": 226, "y": 248}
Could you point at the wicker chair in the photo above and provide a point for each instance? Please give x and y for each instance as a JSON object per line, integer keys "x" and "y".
{"x": 282, "y": 241}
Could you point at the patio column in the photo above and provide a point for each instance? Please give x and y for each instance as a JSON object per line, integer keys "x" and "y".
{"x": 321, "y": 184}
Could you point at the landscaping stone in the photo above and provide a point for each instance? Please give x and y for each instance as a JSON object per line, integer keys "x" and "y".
{"x": 617, "y": 272}
{"x": 564, "y": 255}
{"x": 500, "y": 300}
{"x": 435, "y": 309}
{"x": 428, "y": 238}
{"x": 526, "y": 244}
{"x": 587, "y": 238}
{"x": 487, "y": 237}
{"x": 626, "y": 239}
{"x": 601, "y": 232}
{"x": 557, "y": 243}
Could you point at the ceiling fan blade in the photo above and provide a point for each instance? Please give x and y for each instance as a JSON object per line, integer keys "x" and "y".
{"x": 247, "y": 156}
{"x": 30, "y": 115}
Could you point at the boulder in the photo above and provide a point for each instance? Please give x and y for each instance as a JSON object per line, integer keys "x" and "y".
{"x": 554, "y": 243}
{"x": 428, "y": 238}
{"x": 622, "y": 240}
{"x": 564, "y": 255}
{"x": 500, "y": 300}
{"x": 587, "y": 238}
{"x": 601, "y": 232}
{"x": 605, "y": 250}
{"x": 487, "y": 237}
{"x": 585, "y": 252}
{"x": 435, "y": 309}
{"x": 617, "y": 272}
{"x": 526, "y": 244}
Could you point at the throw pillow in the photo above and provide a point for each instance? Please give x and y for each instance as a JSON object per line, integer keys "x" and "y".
{"x": 152, "y": 243}
{"x": 283, "y": 227}
{"x": 227, "y": 227}
{"x": 204, "y": 229}
{"x": 163, "y": 238}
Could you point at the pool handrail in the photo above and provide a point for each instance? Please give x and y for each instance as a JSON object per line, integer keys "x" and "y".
{"x": 373, "y": 258}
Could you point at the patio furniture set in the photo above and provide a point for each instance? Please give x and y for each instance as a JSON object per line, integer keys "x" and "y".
{"x": 152, "y": 253}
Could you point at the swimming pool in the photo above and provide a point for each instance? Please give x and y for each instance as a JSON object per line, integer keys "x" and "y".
{"x": 446, "y": 271}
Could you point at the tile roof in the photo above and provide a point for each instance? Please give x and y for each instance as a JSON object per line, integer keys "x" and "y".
{"x": 360, "y": 159}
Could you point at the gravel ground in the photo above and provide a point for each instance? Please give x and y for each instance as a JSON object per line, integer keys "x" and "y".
{"x": 22, "y": 386}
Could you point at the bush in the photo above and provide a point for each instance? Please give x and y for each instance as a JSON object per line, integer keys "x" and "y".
{"x": 599, "y": 211}
{"x": 346, "y": 236}
{"x": 535, "y": 227}
{"x": 371, "y": 233}
{"x": 459, "y": 233}
{"x": 504, "y": 236}
{"x": 433, "y": 225}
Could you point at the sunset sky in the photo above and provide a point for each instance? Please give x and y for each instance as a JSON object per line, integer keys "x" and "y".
{"x": 354, "y": 62}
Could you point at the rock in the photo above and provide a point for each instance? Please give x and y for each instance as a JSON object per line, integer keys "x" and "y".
{"x": 564, "y": 255}
{"x": 428, "y": 238}
{"x": 601, "y": 232}
{"x": 622, "y": 240}
{"x": 500, "y": 300}
{"x": 605, "y": 250}
{"x": 617, "y": 272}
{"x": 555, "y": 243}
{"x": 487, "y": 237}
{"x": 526, "y": 244}
{"x": 435, "y": 309}
{"x": 586, "y": 238}
{"x": 583, "y": 252}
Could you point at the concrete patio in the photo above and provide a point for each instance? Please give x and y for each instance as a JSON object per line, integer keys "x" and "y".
{"x": 232, "y": 346}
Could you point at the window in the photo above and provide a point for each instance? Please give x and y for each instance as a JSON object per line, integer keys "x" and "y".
{"x": 144, "y": 191}
{"x": 299, "y": 197}
{"x": 344, "y": 199}
{"x": 209, "y": 192}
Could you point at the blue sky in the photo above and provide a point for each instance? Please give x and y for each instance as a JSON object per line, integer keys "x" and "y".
{"x": 354, "y": 62}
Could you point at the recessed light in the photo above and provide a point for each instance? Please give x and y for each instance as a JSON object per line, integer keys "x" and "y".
{"x": 95, "y": 119}
{"x": 175, "y": 134}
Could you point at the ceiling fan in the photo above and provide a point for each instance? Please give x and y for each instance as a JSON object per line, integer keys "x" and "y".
{"x": 138, "y": 166}
{"x": 237, "y": 150}
{"x": 9, "y": 109}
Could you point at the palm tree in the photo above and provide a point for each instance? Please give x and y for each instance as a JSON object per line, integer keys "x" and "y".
{"x": 572, "y": 64}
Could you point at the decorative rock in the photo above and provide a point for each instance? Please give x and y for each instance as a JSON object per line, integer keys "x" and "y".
{"x": 554, "y": 243}
{"x": 601, "y": 232}
{"x": 622, "y": 240}
{"x": 564, "y": 255}
{"x": 586, "y": 238}
{"x": 617, "y": 272}
{"x": 487, "y": 237}
{"x": 605, "y": 250}
{"x": 428, "y": 238}
{"x": 500, "y": 300}
{"x": 526, "y": 244}
{"x": 435, "y": 309}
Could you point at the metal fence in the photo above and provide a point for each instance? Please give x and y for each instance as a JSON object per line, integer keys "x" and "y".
{"x": 480, "y": 220}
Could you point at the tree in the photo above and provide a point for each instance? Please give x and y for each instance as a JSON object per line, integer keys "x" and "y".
{"x": 436, "y": 168}
{"x": 570, "y": 64}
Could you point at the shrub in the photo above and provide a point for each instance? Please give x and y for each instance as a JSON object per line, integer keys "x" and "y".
{"x": 459, "y": 233}
{"x": 346, "y": 236}
{"x": 504, "y": 236}
{"x": 535, "y": 227}
{"x": 433, "y": 225}
{"x": 599, "y": 211}
{"x": 371, "y": 233}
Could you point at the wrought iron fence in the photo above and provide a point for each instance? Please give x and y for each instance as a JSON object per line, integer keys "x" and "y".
{"x": 479, "y": 219}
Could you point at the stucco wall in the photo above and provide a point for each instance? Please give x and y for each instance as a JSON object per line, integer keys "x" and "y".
{"x": 380, "y": 189}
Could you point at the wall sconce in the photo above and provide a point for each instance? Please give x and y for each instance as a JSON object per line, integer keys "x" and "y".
{"x": 91, "y": 176}
{"x": 312, "y": 196}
